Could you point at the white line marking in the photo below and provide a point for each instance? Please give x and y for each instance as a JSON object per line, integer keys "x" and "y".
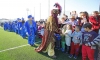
{"x": 16, "y": 47}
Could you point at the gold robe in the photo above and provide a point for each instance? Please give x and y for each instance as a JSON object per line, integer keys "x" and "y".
{"x": 48, "y": 41}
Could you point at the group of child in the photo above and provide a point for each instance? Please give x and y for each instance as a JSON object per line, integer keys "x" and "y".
{"x": 70, "y": 40}
{"x": 78, "y": 39}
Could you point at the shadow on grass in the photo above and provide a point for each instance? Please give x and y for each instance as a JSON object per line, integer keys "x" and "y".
{"x": 60, "y": 56}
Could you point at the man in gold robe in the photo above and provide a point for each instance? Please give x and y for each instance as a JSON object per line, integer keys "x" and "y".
{"x": 51, "y": 27}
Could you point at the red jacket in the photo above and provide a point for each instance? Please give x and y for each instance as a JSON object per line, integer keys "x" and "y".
{"x": 95, "y": 23}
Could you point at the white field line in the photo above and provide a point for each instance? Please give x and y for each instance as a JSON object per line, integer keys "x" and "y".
{"x": 16, "y": 47}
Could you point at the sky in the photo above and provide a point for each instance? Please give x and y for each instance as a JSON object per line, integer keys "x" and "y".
{"x": 13, "y": 9}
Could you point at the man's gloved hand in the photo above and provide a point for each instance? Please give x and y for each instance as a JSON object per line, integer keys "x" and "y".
{"x": 27, "y": 34}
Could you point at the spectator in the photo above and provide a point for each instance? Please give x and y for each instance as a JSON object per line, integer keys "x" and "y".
{"x": 95, "y": 21}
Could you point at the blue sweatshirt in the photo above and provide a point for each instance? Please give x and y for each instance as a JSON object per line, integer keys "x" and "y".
{"x": 88, "y": 37}
{"x": 77, "y": 37}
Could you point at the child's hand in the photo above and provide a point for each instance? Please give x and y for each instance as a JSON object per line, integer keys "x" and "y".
{"x": 86, "y": 44}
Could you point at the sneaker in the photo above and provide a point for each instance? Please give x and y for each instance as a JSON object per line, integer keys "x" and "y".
{"x": 70, "y": 56}
{"x": 62, "y": 50}
{"x": 75, "y": 57}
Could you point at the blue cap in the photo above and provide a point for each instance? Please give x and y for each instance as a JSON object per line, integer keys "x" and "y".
{"x": 29, "y": 16}
{"x": 22, "y": 18}
{"x": 18, "y": 19}
{"x": 32, "y": 17}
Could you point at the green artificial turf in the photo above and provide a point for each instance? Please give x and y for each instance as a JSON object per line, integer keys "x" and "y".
{"x": 11, "y": 39}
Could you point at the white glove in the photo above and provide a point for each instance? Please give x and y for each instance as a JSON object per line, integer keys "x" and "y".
{"x": 21, "y": 28}
{"x": 27, "y": 34}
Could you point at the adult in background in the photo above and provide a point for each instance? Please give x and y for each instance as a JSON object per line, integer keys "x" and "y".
{"x": 10, "y": 26}
{"x": 72, "y": 21}
{"x": 16, "y": 26}
{"x": 84, "y": 19}
{"x": 66, "y": 17}
{"x": 19, "y": 26}
{"x": 74, "y": 13}
{"x": 31, "y": 29}
{"x": 95, "y": 21}
{"x": 48, "y": 41}
{"x": 23, "y": 32}
{"x": 5, "y": 26}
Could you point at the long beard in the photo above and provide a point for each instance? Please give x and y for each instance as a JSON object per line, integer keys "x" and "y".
{"x": 30, "y": 22}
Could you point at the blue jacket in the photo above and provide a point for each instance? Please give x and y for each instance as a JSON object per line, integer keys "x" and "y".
{"x": 5, "y": 25}
{"x": 33, "y": 28}
{"x": 19, "y": 25}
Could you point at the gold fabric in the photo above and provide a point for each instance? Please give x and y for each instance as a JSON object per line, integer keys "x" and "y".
{"x": 48, "y": 41}
{"x": 50, "y": 50}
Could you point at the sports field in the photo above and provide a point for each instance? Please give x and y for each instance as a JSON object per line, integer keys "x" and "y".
{"x": 14, "y": 47}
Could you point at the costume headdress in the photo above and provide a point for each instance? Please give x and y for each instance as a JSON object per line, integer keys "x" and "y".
{"x": 57, "y": 9}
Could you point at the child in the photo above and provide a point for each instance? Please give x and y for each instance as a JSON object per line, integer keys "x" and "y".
{"x": 88, "y": 48}
{"x": 39, "y": 29}
{"x": 68, "y": 33}
{"x": 63, "y": 38}
{"x": 23, "y": 32}
{"x": 95, "y": 42}
{"x": 42, "y": 32}
{"x": 58, "y": 39}
{"x": 76, "y": 42}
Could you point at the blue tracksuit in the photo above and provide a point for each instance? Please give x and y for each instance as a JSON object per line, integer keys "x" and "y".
{"x": 31, "y": 30}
